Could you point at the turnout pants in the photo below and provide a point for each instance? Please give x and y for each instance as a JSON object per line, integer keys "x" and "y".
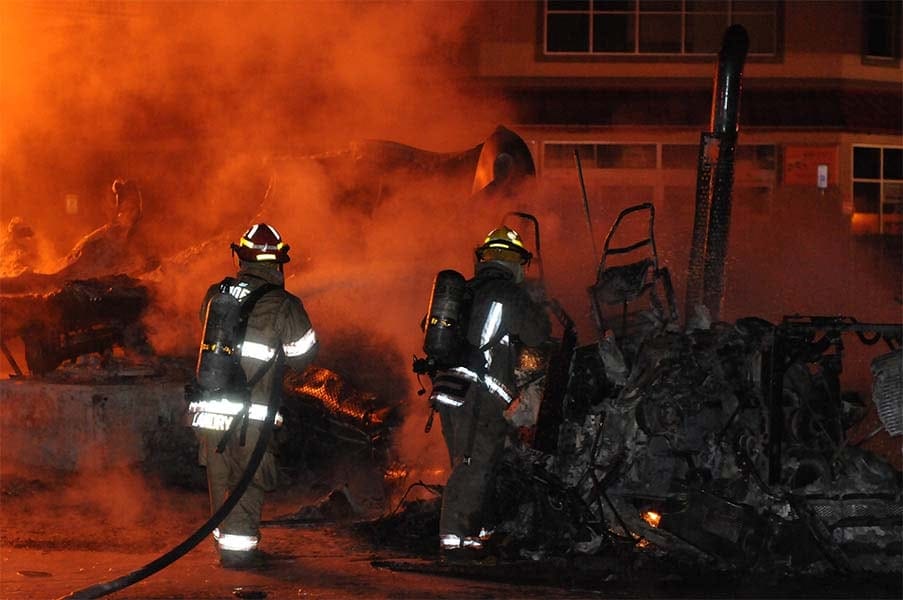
{"x": 240, "y": 530}
{"x": 481, "y": 420}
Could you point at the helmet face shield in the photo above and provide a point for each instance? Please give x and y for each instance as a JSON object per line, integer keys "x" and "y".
{"x": 504, "y": 244}
{"x": 261, "y": 243}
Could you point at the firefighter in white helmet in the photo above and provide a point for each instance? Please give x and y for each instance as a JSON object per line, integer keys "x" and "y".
{"x": 502, "y": 318}
{"x": 274, "y": 332}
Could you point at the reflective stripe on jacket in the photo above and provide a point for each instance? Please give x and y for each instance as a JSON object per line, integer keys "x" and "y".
{"x": 277, "y": 322}
{"x": 502, "y": 315}
{"x": 217, "y": 415}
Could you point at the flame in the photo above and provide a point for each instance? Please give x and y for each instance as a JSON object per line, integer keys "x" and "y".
{"x": 531, "y": 360}
{"x": 863, "y": 223}
{"x": 652, "y": 517}
{"x": 399, "y": 472}
{"x": 336, "y": 396}
{"x": 395, "y": 473}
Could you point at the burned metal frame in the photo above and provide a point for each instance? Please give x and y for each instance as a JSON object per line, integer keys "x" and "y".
{"x": 807, "y": 339}
{"x": 622, "y": 284}
{"x": 83, "y": 316}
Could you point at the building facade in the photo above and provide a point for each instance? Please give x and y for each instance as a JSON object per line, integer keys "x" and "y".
{"x": 628, "y": 83}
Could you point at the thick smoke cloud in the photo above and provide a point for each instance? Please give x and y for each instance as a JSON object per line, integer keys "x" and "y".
{"x": 207, "y": 105}
{"x": 202, "y": 93}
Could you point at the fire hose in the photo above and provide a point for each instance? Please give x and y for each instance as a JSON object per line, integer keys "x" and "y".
{"x": 99, "y": 590}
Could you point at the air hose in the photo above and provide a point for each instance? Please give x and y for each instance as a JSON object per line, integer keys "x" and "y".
{"x": 99, "y": 590}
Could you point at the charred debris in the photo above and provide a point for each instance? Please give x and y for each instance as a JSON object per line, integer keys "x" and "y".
{"x": 699, "y": 446}
{"x": 695, "y": 446}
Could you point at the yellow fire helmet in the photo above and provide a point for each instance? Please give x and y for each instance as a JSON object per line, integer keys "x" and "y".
{"x": 503, "y": 243}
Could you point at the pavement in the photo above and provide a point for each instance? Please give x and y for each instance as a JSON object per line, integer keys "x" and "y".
{"x": 317, "y": 563}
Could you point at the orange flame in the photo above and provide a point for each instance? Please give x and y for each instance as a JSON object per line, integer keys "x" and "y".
{"x": 336, "y": 396}
{"x": 395, "y": 473}
{"x": 652, "y": 517}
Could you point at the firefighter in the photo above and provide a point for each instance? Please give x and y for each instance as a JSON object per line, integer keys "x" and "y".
{"x": 276, "y": 333}
{"x": 502, "y": 318}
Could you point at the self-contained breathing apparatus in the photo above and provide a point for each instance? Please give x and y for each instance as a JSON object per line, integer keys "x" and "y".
{"x": 445, "y": 328}
{"x": 445, "y": 339}
{"x": 218, "y": 374}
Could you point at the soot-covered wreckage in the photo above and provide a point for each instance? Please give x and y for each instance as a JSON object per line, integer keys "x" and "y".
{"x": 694, "y": 443}
{"x": 697, "y": 445}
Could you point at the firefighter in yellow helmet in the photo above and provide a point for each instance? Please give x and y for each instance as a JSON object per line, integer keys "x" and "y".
{"x": 502, "y": 318}
{"x": 272, "y": 331}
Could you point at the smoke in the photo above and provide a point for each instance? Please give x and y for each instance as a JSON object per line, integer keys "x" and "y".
{"x": 191, "y": 98}
{"x": 209, "y": 105}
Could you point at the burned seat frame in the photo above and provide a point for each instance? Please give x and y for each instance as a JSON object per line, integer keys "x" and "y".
{"x": 626, "y": 283}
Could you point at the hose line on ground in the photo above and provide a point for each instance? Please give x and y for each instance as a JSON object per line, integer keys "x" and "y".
{"x": 99, "y": 590}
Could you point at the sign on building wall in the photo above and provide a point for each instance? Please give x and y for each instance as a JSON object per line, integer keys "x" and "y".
{"x": 801, "y": 164}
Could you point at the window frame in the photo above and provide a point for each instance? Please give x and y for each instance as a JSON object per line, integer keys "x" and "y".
{"x": 894, "y": 21}
{"x": 881, "y": 180}
{"x": 636, "y": 54}
{"x": 589, "y": 164}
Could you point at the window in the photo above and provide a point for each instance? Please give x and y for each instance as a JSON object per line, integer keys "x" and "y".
{"x": 625, "y": 156}
{"x": 561, "y": 156}
{"x": 663, "y": 27}
{"x": 878, "y": 185}
{"x": 881, "y": 29}
{"x": 751, "y": 160}
{"x": 680, "y": 156}
{"x": 599, "y": 156}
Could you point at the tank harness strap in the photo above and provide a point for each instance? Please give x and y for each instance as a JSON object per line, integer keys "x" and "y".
{"x": 240, "y": 417}
{"x": 243, "y": 414}
{"x": 261, "y": 371}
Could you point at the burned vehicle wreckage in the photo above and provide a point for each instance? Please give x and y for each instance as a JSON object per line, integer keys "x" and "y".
{"x": 710, "y": 447}
{"x": 707, "y": 446}
{"x": 702, "y": 445}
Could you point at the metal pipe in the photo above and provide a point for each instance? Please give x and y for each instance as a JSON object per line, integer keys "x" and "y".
{"x": 715, "y": 177}
{"x": 589, "y": 220}
{"x": 726, "y": 94}
{"x": 725, "y": 113}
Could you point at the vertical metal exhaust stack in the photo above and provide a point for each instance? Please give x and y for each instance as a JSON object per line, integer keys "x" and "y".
{"x": 715, "y": 179}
